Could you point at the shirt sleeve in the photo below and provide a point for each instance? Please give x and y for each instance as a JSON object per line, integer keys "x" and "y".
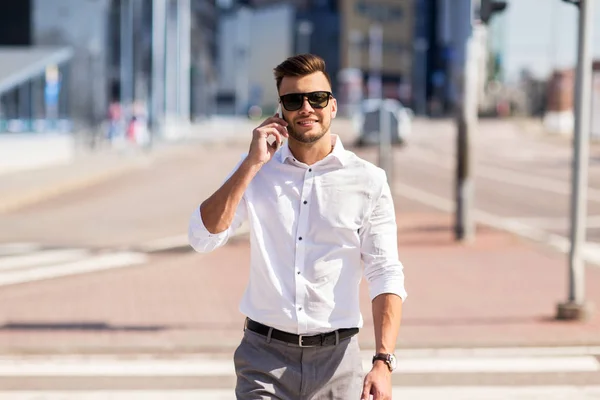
{"x": 379, "y": 248}
{"x": 202, "y": 240}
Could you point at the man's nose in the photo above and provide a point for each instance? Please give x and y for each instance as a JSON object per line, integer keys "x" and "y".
{"x": 306, "y": 107}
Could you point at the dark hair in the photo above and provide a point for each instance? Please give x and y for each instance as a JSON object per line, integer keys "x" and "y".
{"x": 300, "y": 65}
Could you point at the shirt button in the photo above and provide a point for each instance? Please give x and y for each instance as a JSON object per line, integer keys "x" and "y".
{"x": 310, "y": 170}
{"x": 300, "y": 238}
{"x": 305, "y": 201}
{"x": 298, "y": 272}
{"x": 299, "y": 308}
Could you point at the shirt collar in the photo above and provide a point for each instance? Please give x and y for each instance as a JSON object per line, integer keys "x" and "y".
{"x": 338, "y": 153}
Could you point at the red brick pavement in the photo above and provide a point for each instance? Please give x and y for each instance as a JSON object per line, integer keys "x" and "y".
{"x": 499, "y": 291}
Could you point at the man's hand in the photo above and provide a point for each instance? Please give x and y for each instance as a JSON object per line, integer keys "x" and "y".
{"x": 260, "y": 150}
{"x": 378, "y": 383}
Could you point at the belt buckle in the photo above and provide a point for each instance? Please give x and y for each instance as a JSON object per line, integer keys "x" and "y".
{"x": 300, "y": 342}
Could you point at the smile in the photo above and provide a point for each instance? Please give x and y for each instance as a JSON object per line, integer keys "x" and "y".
{"x": 307, "y": 123}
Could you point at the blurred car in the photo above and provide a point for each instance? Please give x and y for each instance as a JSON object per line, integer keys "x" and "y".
{"x": 366, "y": 122}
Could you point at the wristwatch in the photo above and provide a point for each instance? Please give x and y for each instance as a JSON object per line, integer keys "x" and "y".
{"x": 389, "y": 359}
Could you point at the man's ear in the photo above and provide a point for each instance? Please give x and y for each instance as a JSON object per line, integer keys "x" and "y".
{"x": 333, "y": 107}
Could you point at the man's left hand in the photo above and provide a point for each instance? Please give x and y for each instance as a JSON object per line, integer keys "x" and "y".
{"x": 378, "y": 383}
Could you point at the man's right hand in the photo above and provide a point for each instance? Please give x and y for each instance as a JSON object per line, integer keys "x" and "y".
{"x": 260, "y": 150}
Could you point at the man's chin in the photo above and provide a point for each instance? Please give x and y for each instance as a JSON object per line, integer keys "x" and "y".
{"x": 307, "y": 137}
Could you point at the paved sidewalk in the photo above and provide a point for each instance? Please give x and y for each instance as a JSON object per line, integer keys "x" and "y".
{"x": 498, "y": 292}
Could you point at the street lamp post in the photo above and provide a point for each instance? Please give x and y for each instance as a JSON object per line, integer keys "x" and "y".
{"x": 575, "y": 308}
{"x": 375, "y": 85}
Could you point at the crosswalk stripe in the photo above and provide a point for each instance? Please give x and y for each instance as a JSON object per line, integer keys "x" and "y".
{"x": 105, "y": 367}
{"x": 412, "y": 393}
{"x": 40, "y": 258}
{"x": 86, "y": 265}
{"x": 10, "y": 249}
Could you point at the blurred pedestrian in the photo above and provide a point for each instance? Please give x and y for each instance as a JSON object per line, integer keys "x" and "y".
{"x": 114, "y": 121}
{"x": 137, "y": 128}
{"x": 316, "y": 212}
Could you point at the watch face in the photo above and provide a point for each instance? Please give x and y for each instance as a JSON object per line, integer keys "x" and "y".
{"x": 393, "y": 362}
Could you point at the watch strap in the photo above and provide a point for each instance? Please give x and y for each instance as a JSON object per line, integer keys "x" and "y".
{"x": 385, "y": 357}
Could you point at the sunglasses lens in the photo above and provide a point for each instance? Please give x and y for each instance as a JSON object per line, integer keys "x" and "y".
{"x": 318, "y": 99}
{"x": 292, "y": 102}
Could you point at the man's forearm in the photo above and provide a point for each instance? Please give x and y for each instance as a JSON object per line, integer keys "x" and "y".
{"x": 387, "y": 315}
{"x": 218, "y": 210}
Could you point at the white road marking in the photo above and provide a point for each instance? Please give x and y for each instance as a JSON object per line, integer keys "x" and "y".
{"x": 44, "y": 257}
{"x": 591, "y": 221}
{"x": 557, "y": 392}
{"x": 10, "y": 249}
{"x": 91, "y": 264}
{"x": 179, "y": 241}
{"x": 165, "y": 243}
{"x": 495, "y": 365}
{"x": 503, "y": 175}
{"x": 590, "y": 252}
{"x": 494, "y": 352}
{"x": 201, "y": 366}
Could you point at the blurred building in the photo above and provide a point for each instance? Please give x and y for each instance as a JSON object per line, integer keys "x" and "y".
{"x": 251, "y": 43}
{"x": 559, "y": 117}
{"x": 397, "y": 21}
{"x": 256, "y": 35}
{"x": 32, "y": 96}
{"x": 156, "y": 54}
{"x": 337, "y": 30}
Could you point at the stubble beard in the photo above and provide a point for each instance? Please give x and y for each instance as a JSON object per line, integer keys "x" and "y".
{"x": 304, "y": 138}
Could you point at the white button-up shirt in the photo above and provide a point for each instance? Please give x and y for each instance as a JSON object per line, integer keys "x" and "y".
{"x": 312, "y": 229}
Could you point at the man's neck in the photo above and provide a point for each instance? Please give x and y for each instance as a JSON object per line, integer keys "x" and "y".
{"x": 310, "y": 153}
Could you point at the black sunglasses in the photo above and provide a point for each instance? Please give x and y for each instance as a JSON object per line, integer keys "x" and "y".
{"x": 294, "y": 101}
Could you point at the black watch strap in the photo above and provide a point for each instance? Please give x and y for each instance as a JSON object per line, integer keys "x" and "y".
{"x": 383, "y": 357}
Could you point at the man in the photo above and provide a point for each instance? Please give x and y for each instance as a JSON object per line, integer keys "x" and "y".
{"x": 316, "y": 211}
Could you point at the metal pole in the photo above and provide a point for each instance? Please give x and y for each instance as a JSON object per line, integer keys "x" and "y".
{"x": 466, "y": 115}
{"x": 126, "y": 70}
{"x": 375, "y": 61}
{"x": 385, "y": 139}
{"x": 575, "y": 307}
{"x": 184, "y": 84}
{"x": 158, "y": 66}
{"x": 376, "y": 92}
{"x": 421, "y": 46}
{"x": 242, "y": 84}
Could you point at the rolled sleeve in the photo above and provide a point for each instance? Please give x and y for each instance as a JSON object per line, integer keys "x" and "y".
{"x": 379, "y": 248}
{"x": 200, "y": 238}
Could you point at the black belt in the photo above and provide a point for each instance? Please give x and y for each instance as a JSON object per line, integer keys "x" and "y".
{"x": 324, "y": 339}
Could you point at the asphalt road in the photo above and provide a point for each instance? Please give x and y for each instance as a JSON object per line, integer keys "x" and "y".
{"x": 518, "y": 176}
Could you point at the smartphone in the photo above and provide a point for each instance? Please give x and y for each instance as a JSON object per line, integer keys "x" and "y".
{"x": 271, "y": 139}
{"x": 280, "y": 115}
